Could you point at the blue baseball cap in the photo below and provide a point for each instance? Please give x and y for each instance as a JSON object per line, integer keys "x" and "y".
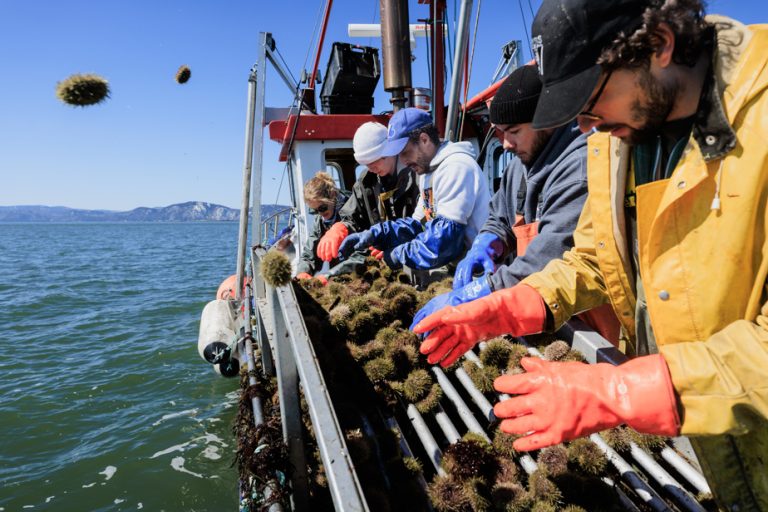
{"x": 400, "y": 125}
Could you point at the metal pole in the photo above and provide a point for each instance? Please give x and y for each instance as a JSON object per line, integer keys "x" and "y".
{"x": 438, "y": 57}
{"x": 258, "y": 143}
{"x": 459, "y": 55}
{"x": 247, "y": 163}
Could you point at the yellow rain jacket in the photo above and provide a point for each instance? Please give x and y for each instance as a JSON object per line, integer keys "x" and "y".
{"x": 704, "y": 271}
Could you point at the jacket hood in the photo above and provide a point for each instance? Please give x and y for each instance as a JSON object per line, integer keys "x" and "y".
{"x": 564, "y": 142}
{"x": 447, "y": 149}
{"x": 740, "y": 69}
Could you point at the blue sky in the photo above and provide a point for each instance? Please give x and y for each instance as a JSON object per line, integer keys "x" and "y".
{"x": 154, "y": 142}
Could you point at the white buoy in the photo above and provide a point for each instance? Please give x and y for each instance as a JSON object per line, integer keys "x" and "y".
{"x": 217, "y": 334}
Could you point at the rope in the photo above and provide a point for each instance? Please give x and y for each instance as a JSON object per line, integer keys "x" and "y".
{"x": 469, "y": 69}
{"x": 525, "y": 27}
{"x": 314, "y": 34}
{"x": 285, "y": 64}
{"x": 531, "y": 8}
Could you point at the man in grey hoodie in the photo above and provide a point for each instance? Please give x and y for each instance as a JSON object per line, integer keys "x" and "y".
{"x": 537, "y": 206}
{"x": 454, "y": 199}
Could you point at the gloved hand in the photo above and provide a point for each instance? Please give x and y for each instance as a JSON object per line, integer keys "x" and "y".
{"x": 356, "y": 242}
{"x": 560, "y": 401}
{"x": 319, "y": 277}
{"x": 474, "y": 290}
{"x": 328, "y": 247}
{"x": 517, "y": 311}
{"x": 376, "y": 253}
{"x": 486, "y": 248}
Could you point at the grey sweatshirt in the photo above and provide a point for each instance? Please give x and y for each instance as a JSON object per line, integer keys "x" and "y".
{"x": 556, "y": 189}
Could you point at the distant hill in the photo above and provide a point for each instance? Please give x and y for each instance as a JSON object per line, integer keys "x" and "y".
{"x": 192, "y": 211}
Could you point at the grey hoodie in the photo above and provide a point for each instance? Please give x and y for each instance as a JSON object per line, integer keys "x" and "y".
{"x": 459, "y": 189}
{"x": 556, "y": 189}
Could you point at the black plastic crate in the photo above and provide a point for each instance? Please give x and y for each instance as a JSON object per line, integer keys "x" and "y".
{"x": 352, "y": 70}
{"x": 345, "y": 104}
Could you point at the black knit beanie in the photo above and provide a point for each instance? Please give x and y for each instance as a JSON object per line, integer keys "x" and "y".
{"x": 515, "y": 101}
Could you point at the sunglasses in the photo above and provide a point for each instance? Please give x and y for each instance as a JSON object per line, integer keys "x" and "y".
{"x": 320, "y": 209}
{"x": 587, "y": 112}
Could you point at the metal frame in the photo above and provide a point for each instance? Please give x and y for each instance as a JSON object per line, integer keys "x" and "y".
{"x": 297, "y": 365}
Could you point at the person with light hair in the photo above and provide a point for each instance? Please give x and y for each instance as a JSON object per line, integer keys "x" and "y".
{"x": 386, "y": 190}
{"x": 324, "y": 200}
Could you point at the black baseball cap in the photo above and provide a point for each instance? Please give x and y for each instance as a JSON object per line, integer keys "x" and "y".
{"x": 568, "y": 38}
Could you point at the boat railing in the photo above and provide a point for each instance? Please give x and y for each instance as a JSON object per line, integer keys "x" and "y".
{"x": 270, "y": 226}
{"x": 284, "y": 341}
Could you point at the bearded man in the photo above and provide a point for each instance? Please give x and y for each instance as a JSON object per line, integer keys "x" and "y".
{"x": 536, "y": 209}
{"x": 674, "y": 235}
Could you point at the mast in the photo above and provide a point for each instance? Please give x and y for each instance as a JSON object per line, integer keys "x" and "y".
{"x": 437, "y": 17}
{"x": 459, "y": 57}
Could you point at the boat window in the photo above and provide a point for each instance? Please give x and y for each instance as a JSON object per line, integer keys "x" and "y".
{"x": 334, "y": 170}
{"x": 495, "y": 163}
{"x": 340, "y": 164}
{"x": 501, "y": 159}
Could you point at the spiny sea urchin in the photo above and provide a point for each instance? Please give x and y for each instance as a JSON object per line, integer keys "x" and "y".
{"x": 469, "y": 459}
{"x": 554, "y": 460}
{"x": 431, "y": 401}
{"x": 542, "y": 488}
{"x": 447, "y": 494}
{"x": 417, "y": 385}
{"x": 585, "y": 455}
{"x": 81, "y": 90}
{"x": 379, "y": 369}
{"x": 496, "y": 353}
{"x": 482, "y": 377}
{"x": 183, "y": 74}
{"x": 556, "y": 351}
{"x": 276, "y": 268}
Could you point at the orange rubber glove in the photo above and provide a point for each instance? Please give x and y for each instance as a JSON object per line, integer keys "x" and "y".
{"x": 559, "y": 401}
{"x": 376, "y": 253}
{"x": 322, "y": 279}
{"x": 517, "y": 311}
{"x": 303, "y": 275}
{"x": 328, "y": 247}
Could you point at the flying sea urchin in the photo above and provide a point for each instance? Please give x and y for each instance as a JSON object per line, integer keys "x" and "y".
{"x": 183, "y": 74}
{"x": 82, "y": 90}
{"x": 276, "y": 268}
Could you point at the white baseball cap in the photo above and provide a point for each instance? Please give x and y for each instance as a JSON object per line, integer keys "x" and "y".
{"x": 369, "y": 142}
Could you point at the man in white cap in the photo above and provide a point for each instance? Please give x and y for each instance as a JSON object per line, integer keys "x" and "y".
{"x": 453, "y": 206}
{"x": 386, "y": 190}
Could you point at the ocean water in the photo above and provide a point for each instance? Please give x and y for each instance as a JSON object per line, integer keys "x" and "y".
{"x": 104, "y": 401}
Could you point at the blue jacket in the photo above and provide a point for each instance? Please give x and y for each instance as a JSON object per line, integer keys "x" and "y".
{"x": 556, "y": 189}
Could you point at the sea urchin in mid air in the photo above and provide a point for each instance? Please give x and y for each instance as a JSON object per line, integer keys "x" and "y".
{"x": 183, "y": 74}
{"x": 81, "y": 90}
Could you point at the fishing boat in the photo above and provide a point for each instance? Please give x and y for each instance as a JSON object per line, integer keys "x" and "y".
{"x": 299, "y": 437}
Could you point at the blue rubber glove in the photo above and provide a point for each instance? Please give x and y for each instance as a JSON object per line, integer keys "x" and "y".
{"x": 486, "y": 248}
{"x": 356, "y": 242}
{"x": 474, "y": 290}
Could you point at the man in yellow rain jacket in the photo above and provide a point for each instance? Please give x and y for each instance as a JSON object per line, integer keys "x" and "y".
{"x": 673, "y": 235}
